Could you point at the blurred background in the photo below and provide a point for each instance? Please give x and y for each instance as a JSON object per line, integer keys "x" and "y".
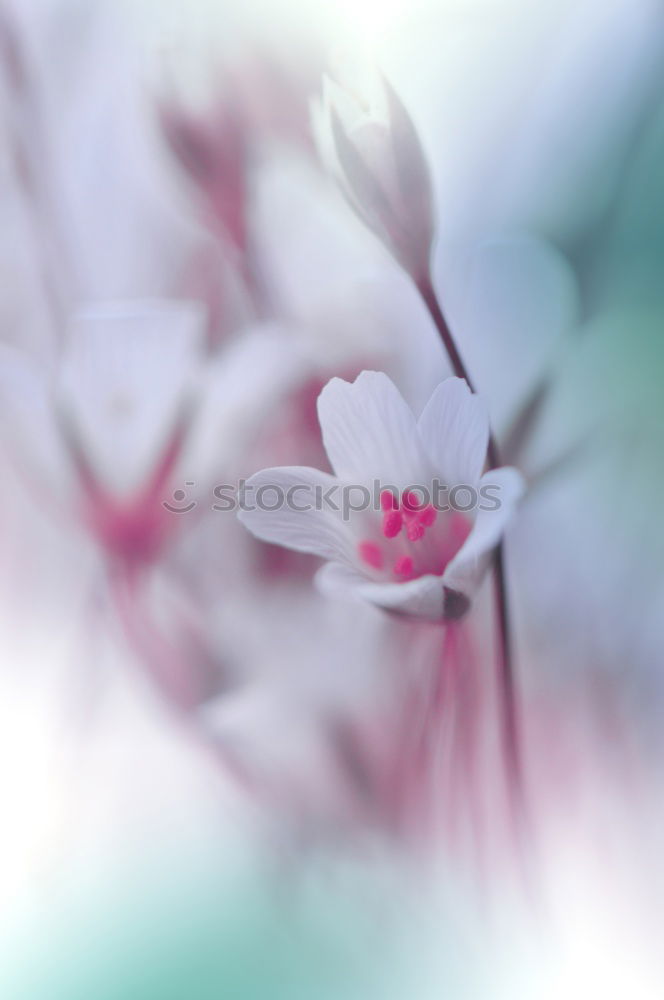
{"x": 202, "y": 772}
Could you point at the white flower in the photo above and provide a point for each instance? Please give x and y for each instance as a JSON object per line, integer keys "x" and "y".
{"x": 406, "y": 557}
{"x": 133, "y": 409}
{"x": 367, "y": 139}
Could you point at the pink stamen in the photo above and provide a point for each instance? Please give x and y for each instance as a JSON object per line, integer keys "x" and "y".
{"x": 428, "y": 516}
{"x": 388, "y": 501}
{"x": 403, "y": 567}
{"x": 410, "y": 503}
{"x": 415, "y": 531}
{"x": 371, "y": 554}
{"x": 392, "y": 523}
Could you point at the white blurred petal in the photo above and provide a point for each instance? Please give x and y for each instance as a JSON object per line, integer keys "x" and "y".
{"x": 512, "y": 310}
{"x": 28, "y": 422}
{"x": 125, "y": 379}
{"x": 239, "y": 388}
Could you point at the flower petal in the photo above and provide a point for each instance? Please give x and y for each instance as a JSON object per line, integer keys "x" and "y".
{"x": 411, "y": 166}
{"x": 465, "y": 571}
{"x": 423, "y": 598}
{"x": 336, "y": 99}
{"x": 319, "y": 529}
{"x": 454, "y": 428}
{"x": 512, "y": 285}
{"x": 238, "y": 389}
{"x": 125, "y": 379}
{"x": 28, "y": 424}
{"x": 338, "y": 580}
{"x": 369, "y": 432}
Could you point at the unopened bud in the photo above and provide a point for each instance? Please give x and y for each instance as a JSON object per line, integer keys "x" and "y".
{"x": 368, "y": 140}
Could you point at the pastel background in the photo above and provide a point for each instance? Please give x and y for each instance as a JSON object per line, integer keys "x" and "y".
{"x": 181, "y": 815}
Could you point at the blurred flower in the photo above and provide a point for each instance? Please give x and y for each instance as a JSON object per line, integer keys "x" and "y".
{"x": 412, "y": 559}
{"x": 123, "y": 437}
{"x": 368, "y": 141}
{"x": 257, "y": 110}
{"x": 133, "y": 407}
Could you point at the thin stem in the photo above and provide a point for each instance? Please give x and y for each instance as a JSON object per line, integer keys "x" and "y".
{"x": 506, "y": 673}
{"x": 426, "y": 290}
{"x": 510, "y": 729}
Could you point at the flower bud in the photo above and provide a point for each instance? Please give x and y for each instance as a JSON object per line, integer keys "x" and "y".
{"x": 368, "y": 140}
